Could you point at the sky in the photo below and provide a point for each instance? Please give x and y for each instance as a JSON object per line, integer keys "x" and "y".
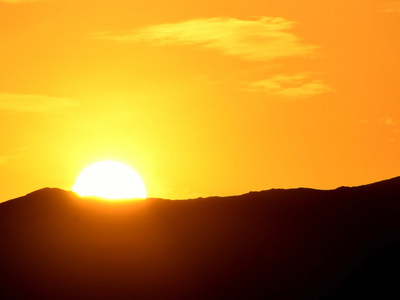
{"x": 201, "y": 98}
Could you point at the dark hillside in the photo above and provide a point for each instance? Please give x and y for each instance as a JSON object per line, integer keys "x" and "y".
{"x": 277, "y": 244}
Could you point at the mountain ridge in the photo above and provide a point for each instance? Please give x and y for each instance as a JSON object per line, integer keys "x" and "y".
{"x": 276, "y": 244}
{"x": 384, "y": 183}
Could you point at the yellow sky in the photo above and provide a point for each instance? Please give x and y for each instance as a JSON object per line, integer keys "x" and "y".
{"x": 200, "y": 98}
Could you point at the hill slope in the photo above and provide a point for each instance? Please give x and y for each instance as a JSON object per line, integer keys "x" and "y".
{"x": 277, "y": 244}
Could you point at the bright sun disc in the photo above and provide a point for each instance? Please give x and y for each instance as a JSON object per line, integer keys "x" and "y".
{"x": 110, "y": 180}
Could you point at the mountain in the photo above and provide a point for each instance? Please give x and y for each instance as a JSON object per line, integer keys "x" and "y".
{"x": 275, "y": 244}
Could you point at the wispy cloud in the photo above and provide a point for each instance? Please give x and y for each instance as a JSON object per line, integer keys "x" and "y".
{"x": 392, "y": 7}
{"x": 4, "y": 159}
{"x": 12, "y": 155}
{"x": 34, "y": 103}
{"x": 387, "y": 121}
{"x": 20, "y": 1}
{"x": 264, "y": 39}
{"x": 289, "y": 86}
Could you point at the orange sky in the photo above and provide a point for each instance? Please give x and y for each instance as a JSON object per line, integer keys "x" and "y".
{"x": 200, "y": 98}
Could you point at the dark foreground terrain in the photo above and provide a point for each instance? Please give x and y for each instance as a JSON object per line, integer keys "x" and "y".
{"x": 277, "y": 244}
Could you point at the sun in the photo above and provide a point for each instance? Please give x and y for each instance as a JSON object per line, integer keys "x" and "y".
{"x": 109, "y": 180}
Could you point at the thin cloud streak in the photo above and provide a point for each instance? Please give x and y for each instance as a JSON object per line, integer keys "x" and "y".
{"x": 4, "y": 159}
{"x": 392, "y": 7}
{"x": 289, "y": 86}
{"x": 387, "y": 121}
{"x": 257, "y": 40}
{"x": 34, "y": 103}
{"x": 20, "y": 1}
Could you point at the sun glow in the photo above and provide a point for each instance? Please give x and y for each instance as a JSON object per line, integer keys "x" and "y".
{"x": 110, "y": 180}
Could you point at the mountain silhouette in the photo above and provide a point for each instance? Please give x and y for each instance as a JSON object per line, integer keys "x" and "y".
{"x": 276, "y": 244}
